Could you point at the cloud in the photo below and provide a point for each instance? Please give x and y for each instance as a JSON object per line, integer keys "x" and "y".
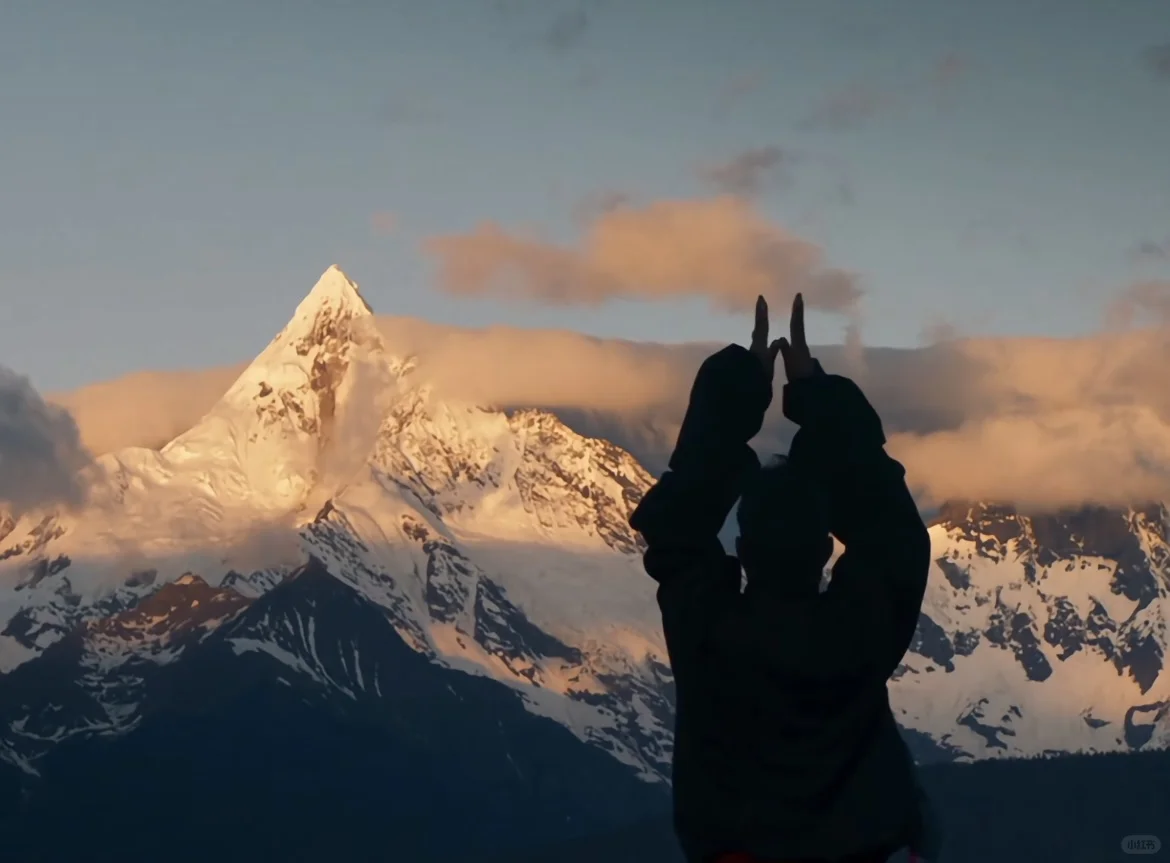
{"x": 719, "y": 248}
{"x": 1152, "y": 249}
{"x": 546, "y": 368}
{"x": 567, "y": 29}
{"x": 1052, "y": 422}
{"x": 1157, "y": 60}
{"x": 735, "y": 91}
{"x": 1069, "y": 456}
{"x": 603, "y": 384}
{"x": 856, "y": 105}
{"x": 848, "y": 109}
{"x": 845, "y": 192}
{"x": 1046, "y": 423}
{"x": 1142, "y": 302}
{"x": 746, "y": 173}
{"x": 1040, "y": 422}
{"x": 40, "y": 449}
{"x": 600, "y": 204}
{"x": 938, "y": 331}
{"x": 148, "y": 408}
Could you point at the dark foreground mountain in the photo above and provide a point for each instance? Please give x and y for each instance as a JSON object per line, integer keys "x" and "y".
{"x": 320, "y": 788}
{"x": 234, "y": 758}
{"x": 1064, "y": 809}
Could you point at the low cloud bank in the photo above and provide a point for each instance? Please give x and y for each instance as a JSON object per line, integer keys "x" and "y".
{"x": 40, "y": 448}
{"x": 1042, "y": 422}
{"x": 148, "y": 408}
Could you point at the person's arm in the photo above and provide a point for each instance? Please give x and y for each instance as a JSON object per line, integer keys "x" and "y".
{"x": 680, "y": 517}
{"x": 825, "y": 638}
{"x": 703, "y": 611}
{"x": 871, "y": 510}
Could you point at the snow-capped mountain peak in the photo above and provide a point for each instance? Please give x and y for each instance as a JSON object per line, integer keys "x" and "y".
{"x": 274, "y": 434}
{"x": 333, "y": 313}
{"x": 225, "y": 495}
{"x": 334, "y": 289}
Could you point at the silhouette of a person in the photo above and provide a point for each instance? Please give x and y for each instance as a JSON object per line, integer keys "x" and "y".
{"x": 785, "y": 745}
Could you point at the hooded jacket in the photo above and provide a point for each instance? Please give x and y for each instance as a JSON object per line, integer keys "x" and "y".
{"x": 785, "y": 744}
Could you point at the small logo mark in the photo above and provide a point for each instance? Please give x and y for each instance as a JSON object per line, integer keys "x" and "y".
{"x": 1141, "y": 844}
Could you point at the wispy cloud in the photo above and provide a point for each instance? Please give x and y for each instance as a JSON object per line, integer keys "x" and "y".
{"x": 1143, "y": 302}
{"x": 848, "y": 109}
{"x": 735, "y": 91}
{"x": 856, "y": 105}
{"x": 1152, "y": 249}
{"x": 939, "y": 331}
{"x": 600, "y": 204}
{"x": 568, "y": 29}
{"x": 719, "y": 248}
{"x": 747, "y": 173}
{"x": 147, "y": 408}
{"x": 1157, "y": 59}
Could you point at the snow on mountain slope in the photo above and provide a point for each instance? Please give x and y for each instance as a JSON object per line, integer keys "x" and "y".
{"x": 1042, "y": 633}
{"x": 607, "y": 680}
{"x": 497, "y": 543}
{"x": 501, "y": 546}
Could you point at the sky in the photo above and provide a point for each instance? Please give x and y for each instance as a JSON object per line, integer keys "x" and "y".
{"x": 175, "y": 176}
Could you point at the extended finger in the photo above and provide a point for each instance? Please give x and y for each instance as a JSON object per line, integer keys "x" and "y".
{"x": 760, "y": 332}
{"x": 796, "y": 326}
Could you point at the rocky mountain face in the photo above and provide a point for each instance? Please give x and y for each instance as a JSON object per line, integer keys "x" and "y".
{"x": 1042, "y": 633}
{"x": 337, "y": 541}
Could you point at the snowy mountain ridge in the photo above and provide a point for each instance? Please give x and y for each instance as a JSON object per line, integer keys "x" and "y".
{"x": 498, "y": 544}
{"x": 1043, "y": 632}
{"x": 447, "y": 516}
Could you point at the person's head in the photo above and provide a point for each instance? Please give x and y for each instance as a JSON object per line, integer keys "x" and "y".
{"x": 784, "y": 541}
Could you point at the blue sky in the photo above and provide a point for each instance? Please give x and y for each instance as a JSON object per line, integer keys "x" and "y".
{"x": 176, "y": 175}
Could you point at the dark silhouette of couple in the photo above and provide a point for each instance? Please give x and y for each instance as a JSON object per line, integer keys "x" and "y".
{"x": 785, "y": 745}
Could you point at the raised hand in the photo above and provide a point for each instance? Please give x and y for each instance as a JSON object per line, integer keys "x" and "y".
{"x": 798, "y": 362}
